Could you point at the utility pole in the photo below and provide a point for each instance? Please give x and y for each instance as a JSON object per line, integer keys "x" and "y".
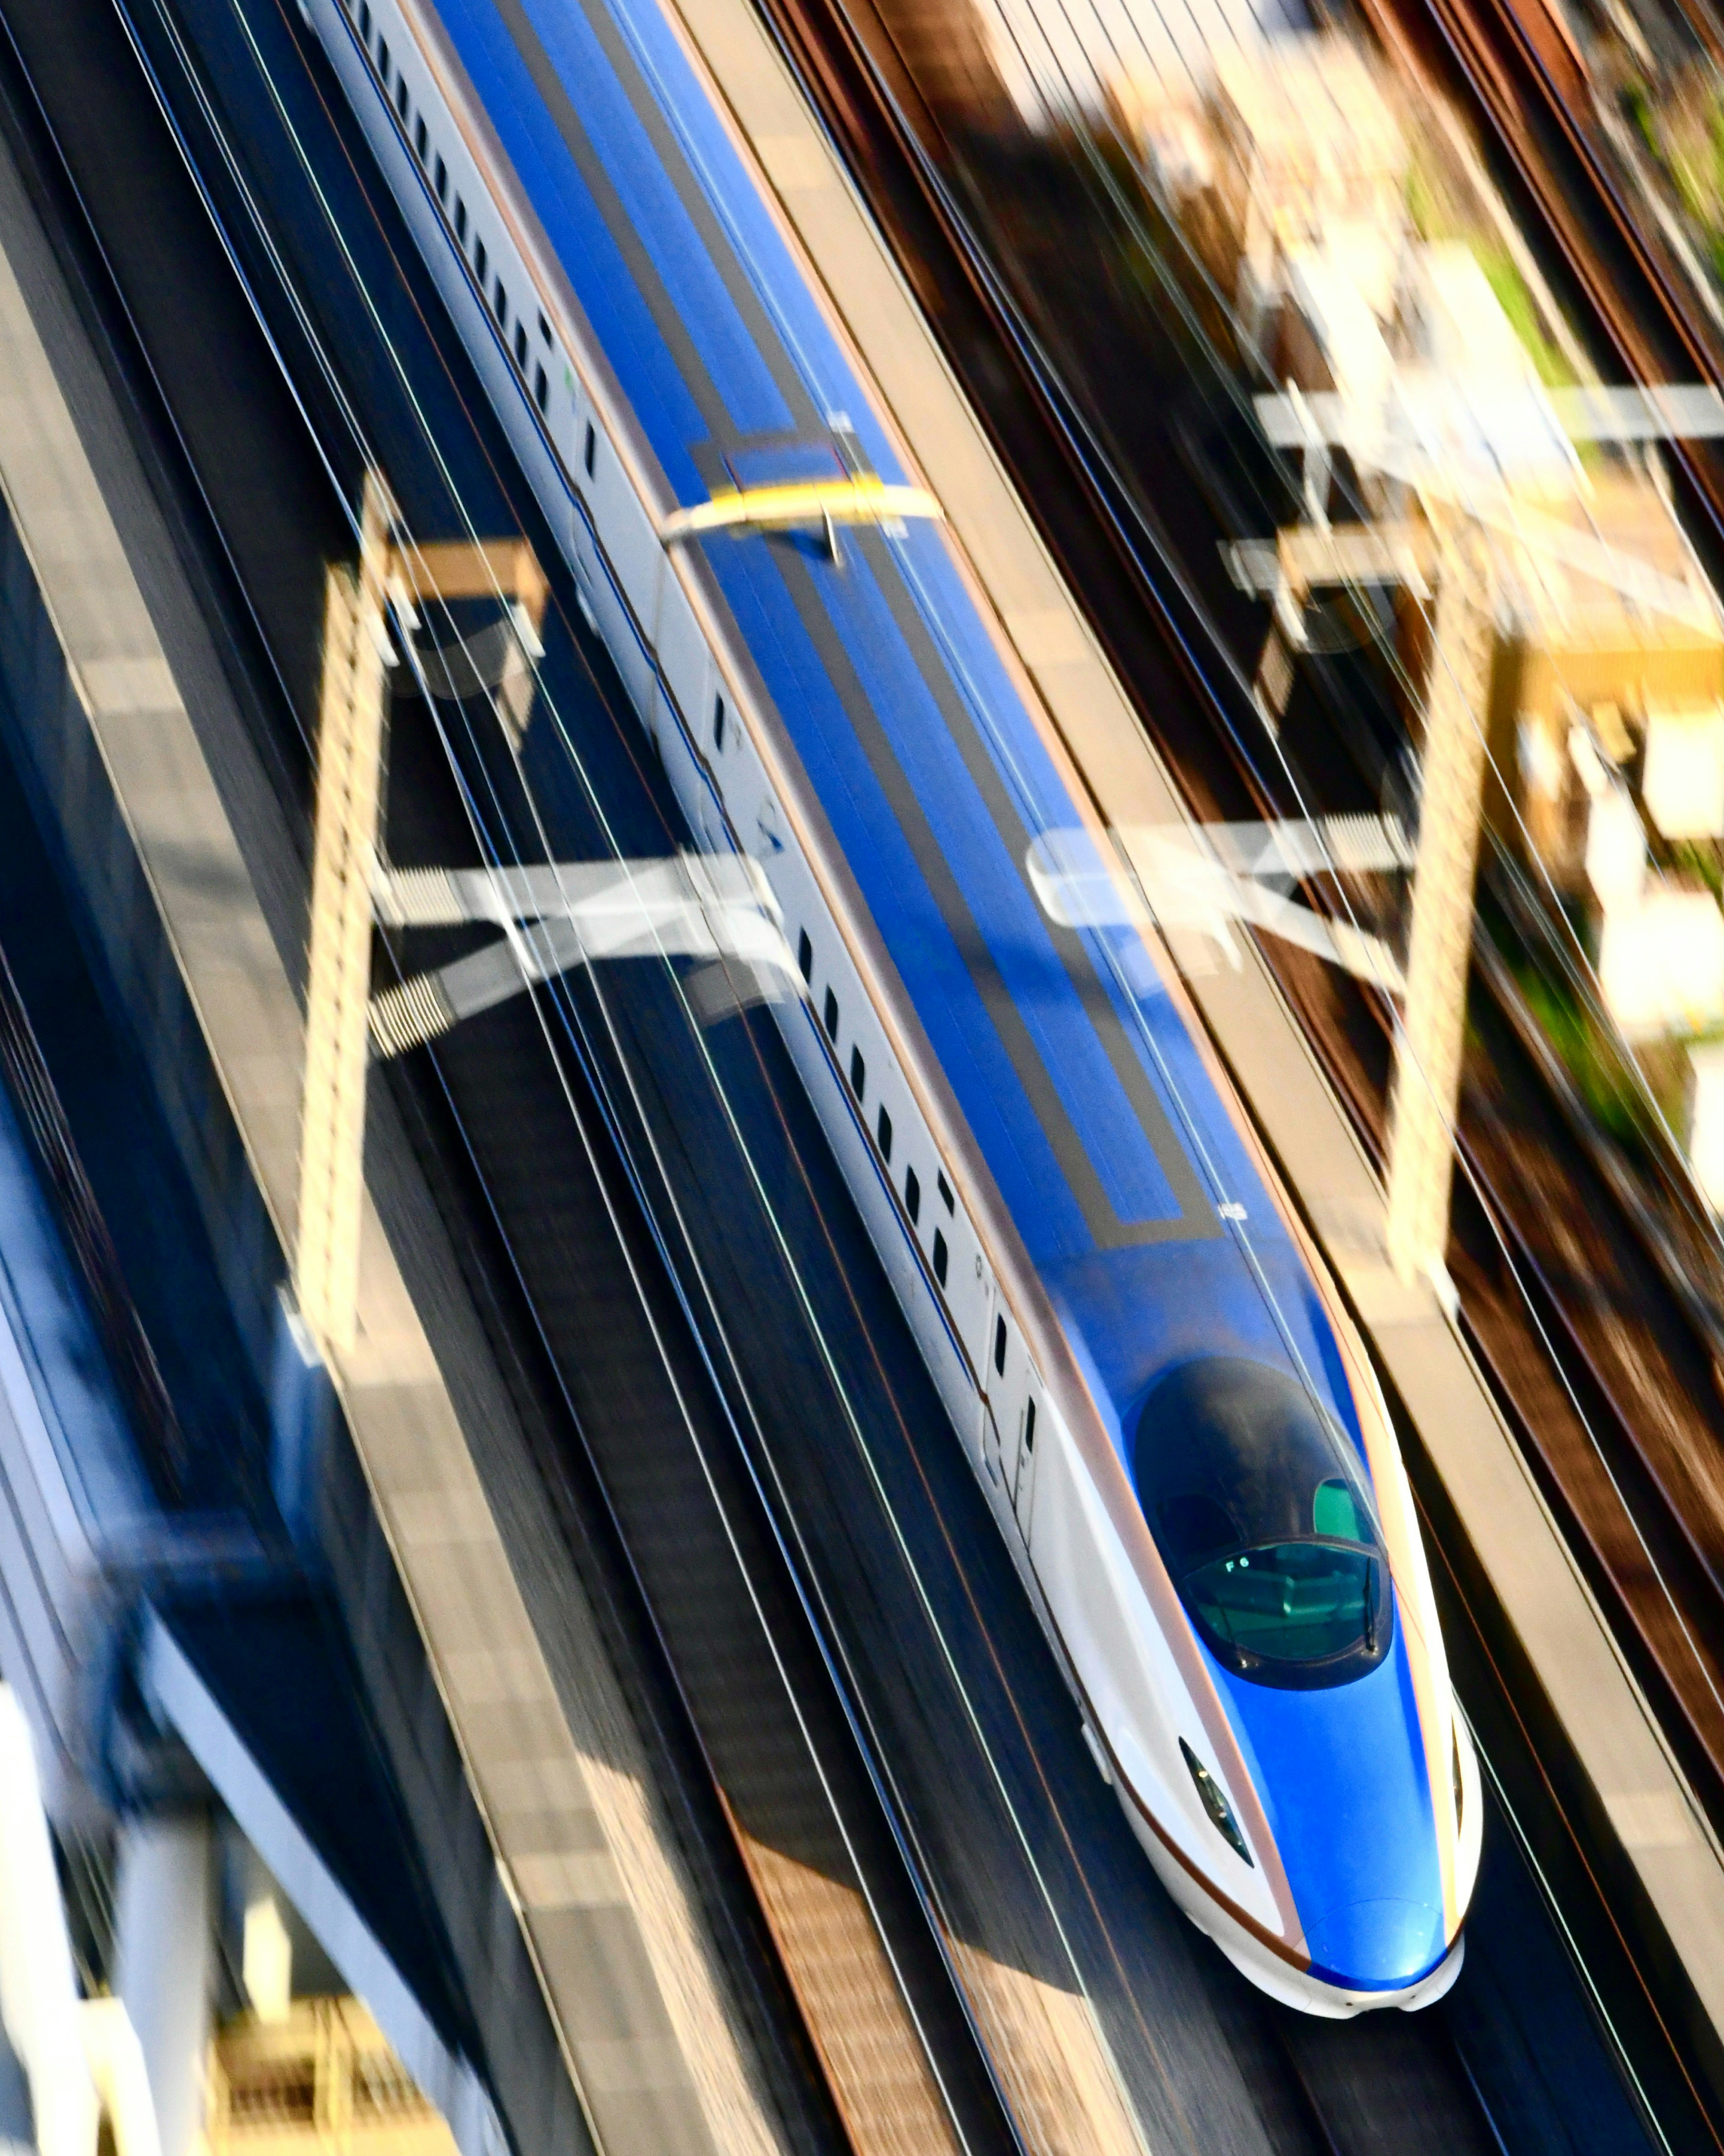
{"x": 350, "y": 746}
{"x": 1425, "y": 1096}
{"x": 357, "y": 655}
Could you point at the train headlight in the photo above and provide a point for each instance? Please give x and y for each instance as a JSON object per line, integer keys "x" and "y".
{"x": 1216, "y": 1804}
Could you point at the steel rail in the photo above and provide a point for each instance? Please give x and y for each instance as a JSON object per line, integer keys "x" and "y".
{"x": 1089, "y": 527}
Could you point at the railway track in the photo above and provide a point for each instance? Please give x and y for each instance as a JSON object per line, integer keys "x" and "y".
{"x": 1604, "y": 1365}
{"x": 1630, "y": 1445}
{"x": 1159, "y": 636}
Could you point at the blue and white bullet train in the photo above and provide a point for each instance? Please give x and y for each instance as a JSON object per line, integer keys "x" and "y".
{"x": 1168, "y": 1408}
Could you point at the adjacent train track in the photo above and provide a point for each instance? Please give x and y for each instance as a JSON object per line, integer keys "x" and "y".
{"x": 1157, "y": 636}
{"x": 1594, "y": 1310}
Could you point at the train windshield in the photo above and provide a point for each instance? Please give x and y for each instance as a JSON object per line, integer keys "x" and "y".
{"x": 1257, "y": 1504}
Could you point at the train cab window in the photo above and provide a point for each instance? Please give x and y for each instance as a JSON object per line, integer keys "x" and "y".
{"x": 859, "y": 1073}
{"x": 940, "y": 1256}
{"x": 460, "y": 221}
{"x": 542, "y": 389}
{"x": 912, "y": 1195}
{"x": 421, "y": 141}
{"x": 999, "y": 1346}
{"x": 831, "y": 1016}
{"x": 805, "y": 955}
{"x": 718, "y": 725}
{"x": 1259, "y": 1505}
{"x": 945, "y": 1196}
{"x": 1335, "y": 1512}
{"x": 590, "y": 452}
{"x": 478, "y": 260}
{"x": 442, "y": 182}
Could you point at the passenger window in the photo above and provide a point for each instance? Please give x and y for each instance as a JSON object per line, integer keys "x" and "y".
{"x": 859, "y": 1073}
{"x": 461, "y": 220}
{"x": 912, "y": 1195}
{"x": 401, "y": 99}
{"x": 805, "y": 955}
{"x": 383, "y": 60}
{"x": 422, "y": 142}
{"x": 999, "y": 1346}
{"x": 442, "y": 181}
{"x": 544, "y": 329}
{"x": 479, "y": 259}
{"x": 502, "y": 307}
{"x": 831, "y": 1016}
{"x": 945, "y": 1198}
{"x": 590, "y": 452}
{"x": 939, "y": 1257}
{"x": 718, "y": 723}
{"x": 542, "y": 389}
{"x": 884, "y": 1128}
{"x": 364, "y": 22}
{"x": 1029, "y": 1426}
{"x": 520, "y": 345}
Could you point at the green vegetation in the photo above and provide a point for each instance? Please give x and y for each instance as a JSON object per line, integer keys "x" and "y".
{"x": 1700, "y": 858}
{"x": 1683, "y": 133}
{"x": 1435, "y": 219}
{"x": 1428, "y": 220}
{"x": 1595, "y": 1065}
{"x": 1637, "y": 103}
{"x": 1515, "y": 298}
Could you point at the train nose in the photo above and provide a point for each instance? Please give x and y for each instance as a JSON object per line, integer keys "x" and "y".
{"x": 1377, "y": 1945}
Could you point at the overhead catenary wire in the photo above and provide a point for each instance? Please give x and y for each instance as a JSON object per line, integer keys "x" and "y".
{"x": 474, "y": 813}
{"x": 556, "y": 997}
{"x": 935, "y": 181}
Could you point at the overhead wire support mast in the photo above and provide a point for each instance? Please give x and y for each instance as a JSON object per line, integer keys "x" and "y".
{"x": 1425, "y": 1096}
{"x": 357, "y": 654}
{"x": 553, "y": 918}
{"x": 1490, "y": 465}
{"x": 350, "y": 746}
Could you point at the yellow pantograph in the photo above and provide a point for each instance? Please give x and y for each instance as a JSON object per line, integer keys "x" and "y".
{"x": 826, "y": 501}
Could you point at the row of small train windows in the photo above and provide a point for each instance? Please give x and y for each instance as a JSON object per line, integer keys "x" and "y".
{"x": 494, "y": 288}
{"x": 883, "y": 1129}
{"x": 883, "y": 1120}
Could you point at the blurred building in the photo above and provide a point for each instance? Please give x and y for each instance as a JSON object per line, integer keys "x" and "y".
{"x": 1293, "y": 169}
{"x": 317, "y": 2076}
{"x": 1607, "y": 729}
{"x": 1610, "y": 674}
{"x": 1402, "y": 369}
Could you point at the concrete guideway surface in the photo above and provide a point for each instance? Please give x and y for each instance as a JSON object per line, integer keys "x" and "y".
{"x": 1661, "y": 1831}
{"x": 658, "y": 2055}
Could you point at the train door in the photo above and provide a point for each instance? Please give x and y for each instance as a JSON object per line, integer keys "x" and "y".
{"x": 1010, "y": 1411}
{"x": 1032, "y": 1425}
{"x": 997, "y": 1439}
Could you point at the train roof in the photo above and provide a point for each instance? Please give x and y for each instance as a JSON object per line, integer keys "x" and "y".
{"x": 1089, "y": 1102}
